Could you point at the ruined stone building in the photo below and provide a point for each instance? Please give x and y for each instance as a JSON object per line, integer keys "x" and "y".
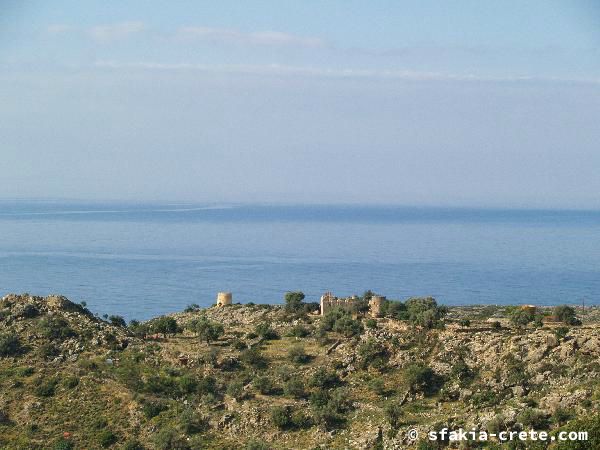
{"x": 329, "y": 302}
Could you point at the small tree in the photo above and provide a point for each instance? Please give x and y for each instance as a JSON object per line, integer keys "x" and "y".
{"x": 425, "y": 312}
{"x": 294, "y": 301}
{"x": 393, "y": 413}
{"x": 165, "y": 325}
{"x": 521, "y": 316}
{"x": 207, "y": 330}
{"x": 566, "y": 314}
{"x": 420, "y": 378}
{"x": 117, "y": 321}
{"x": 297, "y": 355}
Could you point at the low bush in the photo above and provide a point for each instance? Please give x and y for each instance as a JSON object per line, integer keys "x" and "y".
{"x": 133, "y": 444}
{"x": 107, "y": 438}
{"x": 56, "y": 328}
{"x": 377, "y": 386}
{"x": 30, "y": 311}
{"x": 235, "y": 389}
{"x": 294, "y": 388}
{"x": 10, "y": 345}
{"x": 71, "y": 382}
{"x": 297, "y": 355}
{"x": 46, "y": 387}
{"x": 533, "y": 419}
{"x": 170, "y": 439}
{"x": 152, "y": 409}
{"x": 393, "y": 413}
{"x": 324, "y": 378}
{"x": 298, "y": 331}
{"x": 265, "y": 331}
{"x": 263, "y": 385}
{"x": 253, "y": 357}
{"x": 192, "y": 423}
{"x": 372, "y": 353}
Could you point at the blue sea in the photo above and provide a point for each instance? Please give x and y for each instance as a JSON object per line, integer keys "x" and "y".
{"x": 142, "y": 260}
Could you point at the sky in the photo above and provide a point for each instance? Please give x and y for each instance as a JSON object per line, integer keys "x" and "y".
{"x": 462, "y": 103}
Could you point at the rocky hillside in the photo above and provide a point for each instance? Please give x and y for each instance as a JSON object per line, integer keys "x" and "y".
{"x": 260, "y": 377}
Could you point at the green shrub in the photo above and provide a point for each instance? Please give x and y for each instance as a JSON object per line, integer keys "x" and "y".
{"x": 192, "y": 308}
{"x": 71, "y": 382}
{"x": 265, "y": 331}
{"x": 207, "y": 330}
{"x": 107, "y": 438}
{"x": 281, "y": 416}
{"x": 377, "y": 386}
{"x": 395, "y": 310}
{"x": 425, "y": 312}
{"x": 521, "y": 316}
{"x": 329, "y": 409}
{"x": 591, "y": 425}
{"x": 297, "y": 355}
{"x": 239, "y": 344}
{"x": 329, "y": 319}
{"x": 191, "y": 423}
{"x": 256, "y": 445}
{"x": 169, "y": 439}
{"x": 372, "y": 353}
{"x": 117, "y": 321}
{"x": 56, "y": 328}
{"x": 324, "y": 378}
{"x": 46, "y": 388}
{"x": 464, "y": 323}
{"x": 393, "y": 413}
{"x": 253, "y": 357}
{"x": 294, "y": 302}
{"x": 347, "y": 326}
{"x": 561, "y": 333}
{"x": 26, "y": 371}
{"x": 496, "y": 325}
{"x": 294, "y": 388}
{"x": 164, "y": 325}
{"x": 10, "y": 345}
{"x": 371, "y": 324}
{"x": 298, "y": 331}
{"x": 48, "y": 350}
{"x": 152, "y": 409}
{"x": 516, "y": 371}
{"x": 462, "y": 373}
{"x": 264, "y": 385}
{"x": 533, "y": 419}
{"x": 30, "y": 311}
{"x": 561, "y": 416}
{"x": 207, "y": 385}
{"x": 235, "y": 389}
{"x": 133, "y": 444}
{"x": 566, "y": 314}
{"x": 420, "y": 378}
{"x": 63, "y": 444}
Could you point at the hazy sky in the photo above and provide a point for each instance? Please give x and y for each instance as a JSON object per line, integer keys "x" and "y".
{"x": 491, "y": 103}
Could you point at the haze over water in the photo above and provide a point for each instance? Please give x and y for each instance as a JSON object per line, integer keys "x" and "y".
{"x": 144, "y": 260}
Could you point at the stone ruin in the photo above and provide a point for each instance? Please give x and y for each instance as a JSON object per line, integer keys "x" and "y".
{"x": 329, "y": 302}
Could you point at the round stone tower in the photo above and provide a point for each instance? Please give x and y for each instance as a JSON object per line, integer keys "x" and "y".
{"x": 224, "y": 298}
{"x": 375, "y": 305}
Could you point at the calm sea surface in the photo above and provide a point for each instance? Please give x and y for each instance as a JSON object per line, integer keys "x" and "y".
{"x": 144, "y": 260}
